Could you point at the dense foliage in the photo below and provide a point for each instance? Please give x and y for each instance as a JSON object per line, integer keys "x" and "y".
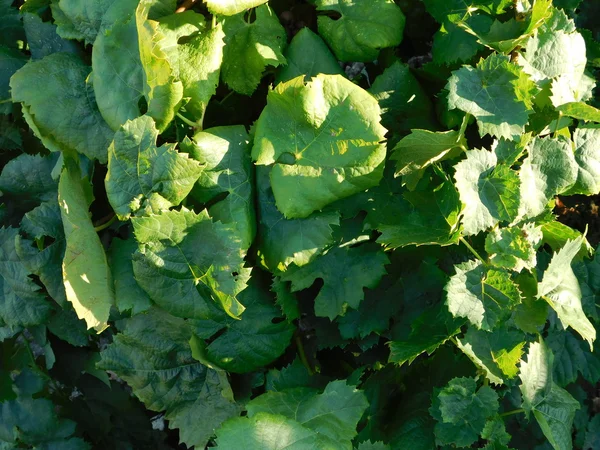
{"x": 319, "y": 224}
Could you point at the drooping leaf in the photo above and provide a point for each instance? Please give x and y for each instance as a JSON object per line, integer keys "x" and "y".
{"x": 245, "y": 345}
{"x": 186, "y": 263}
{"x": 282, "y": 241}
{"x": 344, "y": 271}
{"x": 364, "y": 28}
{"x": 484, "y": 296}
{"x": 250, "y": 48}
{"x": 324, "y": 139}
{"x": 497, "y": 353}
{"x": 334, "y": 413}
{"x": 143, "y": 177}
{"x": 476, "y": 91}
{"x": 488, "y": 191}
{"x": 560, "y": 288}
{"x": 85, "y": 270}
{"x": 553, "y": 407}
{"x": 224, "y": 155}
{"x": 461, "y": 411}
{"x": 422, "y": 148}
{"x": 153, "y": 356}
{"x": 61, "y": 79}
{"x": 308, "y": 55}
{"x": 549, "y": 169}
{"x": 129, "y": 296}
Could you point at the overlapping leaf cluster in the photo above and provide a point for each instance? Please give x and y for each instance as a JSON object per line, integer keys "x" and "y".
{"x": 207, "y": 208}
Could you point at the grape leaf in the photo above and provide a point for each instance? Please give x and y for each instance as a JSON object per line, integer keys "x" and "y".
{"x": 324, "y": 139}
{"x": 365, "y": 27}
{"x": 186, "y": 262}
{"x": 308, "y": 55}
{"x": 560, "y": 288}
{"x": 429, "y": 331}
{"x": 282, "y": 242}
{"x": 79, "y": 19}
{"x": 461, "y": 410}
{"x": 11, "y": 60}
{"x": 153, "y": 356}
{"x": 250, "y": 48}
{"x": 587, "y": 156}
{"x": 488, "y": 191}
{"x": 497, "y": 92}
{"x": 43, "y": 39}
{"x": 553, "y": 407}
{"x": 334, "y": 413}
{"x": 143, "y": 177}
{"x": 245, "y": 345}
{"x": 231, "y": 7}
{"x": 224, "y": 155}
{"x": 514, "y": 248}
{"x": 571, "y": 358}
{"x": 422, "y": 148}
{"x": 404, "y": 104}
{"x": 85, "y": 270}
{"x": 581, "y": 111}
{"x": 344, "y": 271}
{"x": 497, "y": 353}
{"x": 484, "y": 296}
{"x": 21, "y": 302}
{"x": 196, "y": 62}
{"x": 62, "y": 79}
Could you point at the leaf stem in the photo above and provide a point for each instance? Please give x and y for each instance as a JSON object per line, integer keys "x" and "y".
{"x": 302, "y": 355}
{"x": 557, "y": 123}
{"x": 477, "y": 255}
{"x": 106, "y": 224}
{"x": 185, "y": 5}
{"x": 213, "y": 23}
{"x": 514, "y": 411}
{"x": 187, "y": 121}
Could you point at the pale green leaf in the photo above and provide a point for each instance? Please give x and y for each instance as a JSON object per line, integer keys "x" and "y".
{"x": 80, "y": 19}
{"x": 364, "y": 28}
{"x": 143, "y": 177}
{"x": 187, "y": 263}
{"x": 153, "y": 356}
{"x": 324, "y": 139}
{"x": 60, "y": 100}
{"x": 282, "y": 241}
{"x": 484, "y": 296}
{"x": 560, "y": 288}
{"x": 334, "y": 413}
{"x": 86, "y": 274}
{"x": 226, "y": 168}
{"x": 196, "y": 62}
{"x": 488, "y": 191}
{"x": 581, "y": 111}
{"x": 421, "y": 148}
{"x": 231, "y": 7}
{"x": 497, "y": 92}
{"x": 250, "y": 48}
{"x": 514, "y": 248}
{"x": 344, "y": 271}
{"x": 308, "y": 55}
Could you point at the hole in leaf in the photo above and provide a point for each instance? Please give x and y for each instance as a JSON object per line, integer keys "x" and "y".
{"x": 143, "y": 105}
{"x": 286, "y": 158}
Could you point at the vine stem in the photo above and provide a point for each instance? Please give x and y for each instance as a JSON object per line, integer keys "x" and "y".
{"x": 560, "y": 114}
{"x": 302, "y": 355}
{"x": 477, "y": 255}
{"x": 185, "y": 5}
{"x": 105, "y": 225}
{"x": 187, "y": 121}
{"x": 514, "y": 411}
